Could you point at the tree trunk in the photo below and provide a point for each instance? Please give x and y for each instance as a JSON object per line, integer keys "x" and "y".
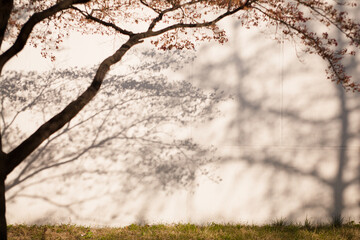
{"x": 3, "y": 226}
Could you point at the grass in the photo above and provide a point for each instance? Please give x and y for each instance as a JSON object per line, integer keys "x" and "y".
{"x": 279, "y": 229}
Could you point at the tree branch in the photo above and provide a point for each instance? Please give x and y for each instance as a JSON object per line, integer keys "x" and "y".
{"x": 1, "y": 149}
{"x": 333, "y": 22}
{"x": 102, "y": 22}
{"x": 147, "y": 5}
{"x": 175, "y": 7}
{"x": 314, "y": 43}
{"x": 30, "y": 24}
{"x": 196, "y": 25}
{"x": 16, "y": 156}
{"x": 6, "y": 7}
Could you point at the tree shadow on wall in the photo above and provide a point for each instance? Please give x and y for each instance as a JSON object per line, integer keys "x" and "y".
{"x": 132, "y": 140}
{"x": 285, "y": 128}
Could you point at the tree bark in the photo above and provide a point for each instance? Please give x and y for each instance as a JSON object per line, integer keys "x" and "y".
{"x": 5, "y": 9}
{"x": 17, "y": 155}
{"x": 3, "y": 226}
{"x": 26, "y": 30}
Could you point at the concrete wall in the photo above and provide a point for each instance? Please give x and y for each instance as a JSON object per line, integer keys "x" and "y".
{"x": 287, "y": 140}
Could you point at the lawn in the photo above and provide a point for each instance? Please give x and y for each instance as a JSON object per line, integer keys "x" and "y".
{"x": 277, "y": 230}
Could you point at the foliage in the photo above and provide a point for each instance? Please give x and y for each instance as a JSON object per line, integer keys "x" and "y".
{"x": 181, "y": 23}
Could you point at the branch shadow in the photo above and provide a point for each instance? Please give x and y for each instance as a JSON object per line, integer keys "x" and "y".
{"x": 300, "y": 139}
{"x": 291, "y": 141}
{"x": 131, "y": 141}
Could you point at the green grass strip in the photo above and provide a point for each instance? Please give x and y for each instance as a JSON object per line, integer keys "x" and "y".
{"x": 188, "y": 231}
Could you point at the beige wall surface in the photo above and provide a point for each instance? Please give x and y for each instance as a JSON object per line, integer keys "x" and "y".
{"x": 276, "y": 139}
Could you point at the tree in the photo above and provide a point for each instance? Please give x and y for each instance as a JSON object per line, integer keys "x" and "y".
{"x": 170, "y": 24}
